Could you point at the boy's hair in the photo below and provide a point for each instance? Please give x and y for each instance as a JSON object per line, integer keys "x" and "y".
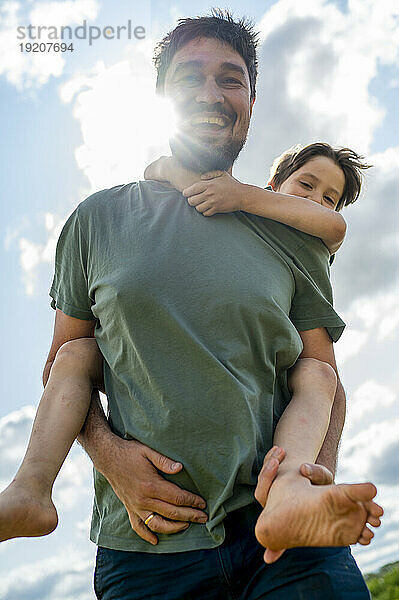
{"x": 348, "y": 160}
{"x": 219, "y": 25}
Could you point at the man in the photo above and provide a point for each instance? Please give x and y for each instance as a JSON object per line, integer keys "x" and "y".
{"x": 196, "y": 349}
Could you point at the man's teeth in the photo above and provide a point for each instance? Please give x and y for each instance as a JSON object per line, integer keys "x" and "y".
{"x": 212, "y": 120}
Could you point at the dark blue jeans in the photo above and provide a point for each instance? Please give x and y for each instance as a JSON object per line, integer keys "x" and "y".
{"x": 233, "y": 571}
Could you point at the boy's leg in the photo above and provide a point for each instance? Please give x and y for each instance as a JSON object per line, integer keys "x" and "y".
{"x": 26, "y": 508}
{"x": 297, "y": 513}
{"x": 303, "y": 425}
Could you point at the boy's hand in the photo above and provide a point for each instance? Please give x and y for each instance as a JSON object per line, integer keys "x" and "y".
{"x": 217, "y": 192}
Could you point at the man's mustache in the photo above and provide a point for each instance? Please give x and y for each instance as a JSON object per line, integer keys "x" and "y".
{"x": 214, "y": 110}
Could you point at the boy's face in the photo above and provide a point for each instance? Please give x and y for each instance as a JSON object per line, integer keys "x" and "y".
{"x": 320, "y": 180}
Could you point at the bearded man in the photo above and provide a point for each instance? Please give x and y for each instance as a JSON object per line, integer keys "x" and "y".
{"x": 198, "y": 321}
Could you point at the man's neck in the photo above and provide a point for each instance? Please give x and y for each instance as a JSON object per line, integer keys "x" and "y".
{"x": 179, "y": 164}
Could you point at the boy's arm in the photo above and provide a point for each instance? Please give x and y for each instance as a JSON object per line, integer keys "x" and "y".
{"x": 219, "y": 192}
{"x": 300, "y": 213}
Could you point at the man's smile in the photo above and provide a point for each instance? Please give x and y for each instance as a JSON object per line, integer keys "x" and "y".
{"x": 207, "y": 123}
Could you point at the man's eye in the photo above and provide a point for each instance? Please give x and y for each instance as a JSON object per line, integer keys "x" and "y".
{"x": 231, "y": 80}
{"x": 189, "y": 79}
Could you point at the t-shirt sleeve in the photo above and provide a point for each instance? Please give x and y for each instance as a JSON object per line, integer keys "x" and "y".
{"x": 69, "y": 289}
{"x": 312, "y": 304}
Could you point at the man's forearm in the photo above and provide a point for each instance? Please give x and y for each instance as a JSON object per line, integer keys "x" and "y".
{"x": 329, "y": 450}
{"x": 96, "y": 436}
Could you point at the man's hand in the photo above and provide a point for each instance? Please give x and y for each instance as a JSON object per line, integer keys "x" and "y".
{"x": 317, "y": 475}
{"x": 217, "y": 192}
{"x": 134, "y": 477}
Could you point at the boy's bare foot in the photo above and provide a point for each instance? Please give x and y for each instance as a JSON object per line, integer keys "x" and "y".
{"x": 24, "y": 514}
{"x": 299, "y": 514}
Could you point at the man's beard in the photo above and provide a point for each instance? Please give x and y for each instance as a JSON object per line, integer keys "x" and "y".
{"x": 202, "y": 157}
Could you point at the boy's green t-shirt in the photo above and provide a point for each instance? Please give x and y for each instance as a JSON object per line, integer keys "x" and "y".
{"x": 197, "y": 320}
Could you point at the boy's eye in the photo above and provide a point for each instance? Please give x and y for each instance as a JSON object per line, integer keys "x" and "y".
{"x": 329, "y": 199}
{"x": 306, "y": 185}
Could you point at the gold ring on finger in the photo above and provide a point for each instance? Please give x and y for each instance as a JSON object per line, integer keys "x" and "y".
{"x": 148, "y": 519}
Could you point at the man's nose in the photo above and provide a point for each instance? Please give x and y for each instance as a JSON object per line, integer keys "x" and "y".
{"x": 210, "y": 93}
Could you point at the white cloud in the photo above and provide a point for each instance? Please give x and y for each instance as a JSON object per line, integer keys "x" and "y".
{"x": 74, "y": 481}
{"x": 32, "y": 254}
{"x": 65, "y": 576}
{"x": 320, "y": 62}
{"x": 14, "y": 232}
{"x": 135, "y": 124}
{"x": 14, "y": 433}
{"x": 360, "y": 452}
{"x": 351, "y": 342}
{"x": 33, "y": 69}
{"x": 368, "y": 398}
{"x": 378, "y": 313}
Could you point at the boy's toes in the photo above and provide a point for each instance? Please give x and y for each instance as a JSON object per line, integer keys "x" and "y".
{"x": 270, "y": 556}
{"x": 374, "y": 521}
{"x": 373, "y": 509}
{"x": 365, "y": 537}
{"x": 360, "y": 492}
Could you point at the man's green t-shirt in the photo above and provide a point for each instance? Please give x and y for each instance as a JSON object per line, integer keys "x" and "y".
{"x": 197, "y": 320}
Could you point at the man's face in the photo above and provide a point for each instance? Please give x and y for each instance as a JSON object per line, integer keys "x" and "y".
{"x": 208, "y": 83}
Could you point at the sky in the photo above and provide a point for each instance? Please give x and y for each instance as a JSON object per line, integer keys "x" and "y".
{"x": 76, "y": 122}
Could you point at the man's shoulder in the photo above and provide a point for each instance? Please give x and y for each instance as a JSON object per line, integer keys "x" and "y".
{"x": 299, "y": 246}
{"x": 100, "y": 204}
{"x": 107, "y": 195}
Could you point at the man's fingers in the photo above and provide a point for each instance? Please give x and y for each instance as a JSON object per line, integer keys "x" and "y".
{"x": 142, "y": 530}
{"x": 265, "y": 480}
{"x": 160, "y": 525}
{"x": 170, "y": 494}
{"x": 317, "y": 474}
{"x": 178, "y": 513}
{"x": 161, "y": 462}
{"x": 268, "y": 473}
{"x": 274, "y": 452}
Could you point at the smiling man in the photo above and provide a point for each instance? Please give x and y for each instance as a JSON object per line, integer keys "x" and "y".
{"x": 213, "y": 101}
{"x": 198, "y": 321}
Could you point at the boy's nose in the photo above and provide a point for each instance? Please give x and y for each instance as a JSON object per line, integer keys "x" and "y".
{"x": 315, "y": 197}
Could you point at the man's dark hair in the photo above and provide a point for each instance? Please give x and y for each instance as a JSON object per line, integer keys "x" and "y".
{"x": 219, "y": 25}
{"x": 349, "y": 161}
